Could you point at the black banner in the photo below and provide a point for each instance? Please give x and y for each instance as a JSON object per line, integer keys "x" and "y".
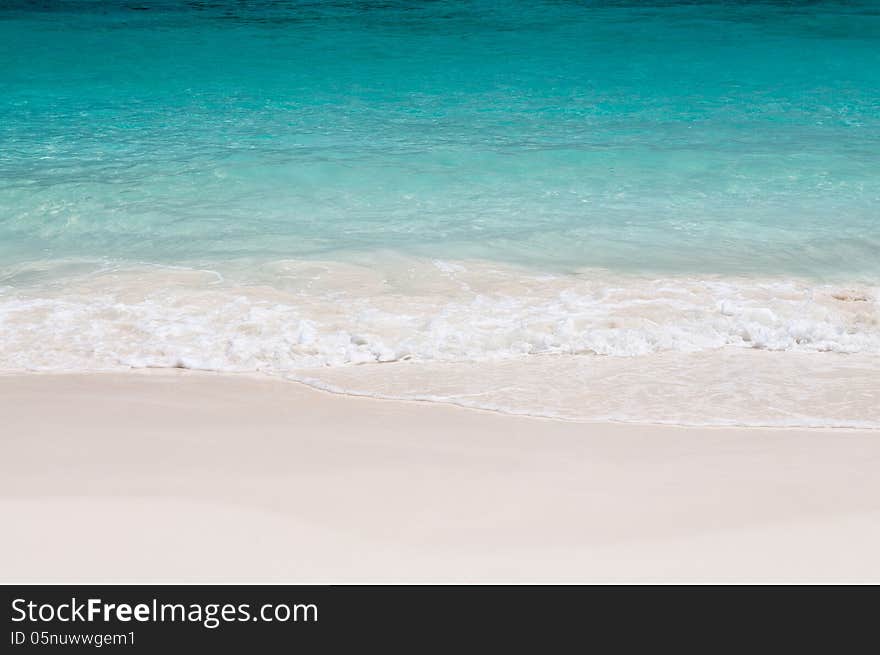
{"x": 172, "y": 618}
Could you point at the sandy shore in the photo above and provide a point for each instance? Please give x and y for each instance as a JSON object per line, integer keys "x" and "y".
{"x": 181, "y": 476}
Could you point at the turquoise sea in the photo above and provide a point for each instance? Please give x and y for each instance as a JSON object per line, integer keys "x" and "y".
{"x": 303, "y": 185}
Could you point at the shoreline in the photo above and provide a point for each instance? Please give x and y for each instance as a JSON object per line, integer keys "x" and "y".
{"x": 640, "y": 350}
{"x": 205, "y": 477}
{"x": 317, "y": 385}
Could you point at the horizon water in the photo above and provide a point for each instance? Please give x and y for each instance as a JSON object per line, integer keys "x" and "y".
{"x": 593, "y": 210}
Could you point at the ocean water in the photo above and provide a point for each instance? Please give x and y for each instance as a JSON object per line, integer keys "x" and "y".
{"x": 524, "y": 206}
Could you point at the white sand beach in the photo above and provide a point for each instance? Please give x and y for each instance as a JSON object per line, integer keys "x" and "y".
{"x": 179, "y": 476}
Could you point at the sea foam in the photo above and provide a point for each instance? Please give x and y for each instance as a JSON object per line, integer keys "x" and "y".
{"x": 462, "y": 331}
{"x": 318, "y": 314}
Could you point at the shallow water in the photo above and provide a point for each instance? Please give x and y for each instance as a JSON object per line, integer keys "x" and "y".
{"x": 714, "y": 136}
{"x": 269, "y": 187}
